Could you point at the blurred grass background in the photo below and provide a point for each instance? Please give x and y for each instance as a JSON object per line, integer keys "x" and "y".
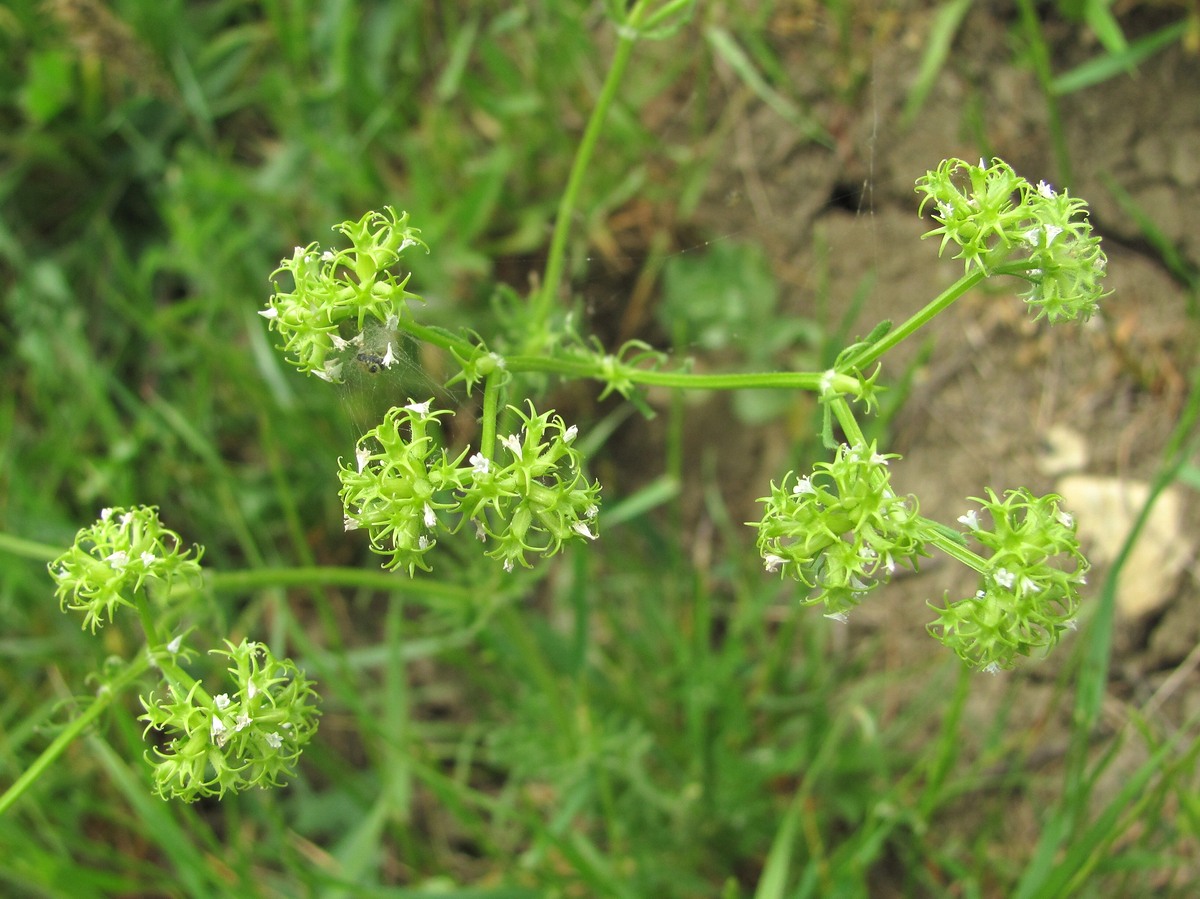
{"x": 637, "y": 721}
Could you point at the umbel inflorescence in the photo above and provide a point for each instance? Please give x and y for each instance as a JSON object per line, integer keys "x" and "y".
{"x": 840, "y": 531}
{"x": 249, "y": 735}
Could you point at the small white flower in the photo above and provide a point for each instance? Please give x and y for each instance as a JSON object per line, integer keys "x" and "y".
{"x": 583, "y": 530}
{"x": 480, "y": 464}
{"x": 328, "y": 256}
{"x": 508, "y": 564}
{"x": 878, "y": 459}
{"x": 126, "y": 519}
{"x": 222, "y": 701}
{"x": 1005, "y": 578}
{"x": 1045, "y": 190}
{"x": 772, "y": 562}
{"x": 430, "y": 516}
{"x": 859, "y": 585}
{"x": 117, "y": 559}
{"x": 1029, "y": 586}
{"x": 274, "y": 740}
{"x": 418, "y": 408}
{"x": 1066, "y": 519}
{"x": 804, "y": 485}
{"x": 350, "y": 524}
{"x": 838, "y": 616}
{"x": 1071, "y": 625}
{"x": 241, "y": 722}
{"x": 591, "y": 511}
{"x": 339, "y": 343}
{"x": 480, "y": 532}
{"x": 1052, "y": 231}
{"x": 148, "y": 559}
{"x": 423, "y": 543}
{"x": 512, "y": 443}
{"x": 570, "y": 434}
{"x": 173, "y": 646}
{"x": 992, "y": 668}
{"x": 217, "y": 730}
{"x": 945, "y": 210}
{"x": 251, "y": 689}
{"x": 389, "y": 358}
{"x": 106, "y": 514}
{"x": 392, "y": 321}
{"x": 331, "y": 372}
{"x": 405, "y": 244}
{"x": 269, "y": 312}
{"x": 969, "y": 520}
{"x": 362, "y": 456}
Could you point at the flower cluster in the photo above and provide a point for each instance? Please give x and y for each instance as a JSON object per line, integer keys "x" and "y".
{"x": 994, "y": 215}
{"x": 840, "y": 531}
{"x": 250, "y": 737}
{"x": 1029, "y": 594}
{"x": 115, "y": 557}
{"x": 404, "y": 489}
{"x": 335, "y": 293}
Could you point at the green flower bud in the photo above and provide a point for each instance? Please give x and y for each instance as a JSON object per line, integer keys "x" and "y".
{"x": 840, "y": 531}
{"x": 114, "y": 558}
{"x": 250, "y": 737}
{"x": 335, "y": 294}
{"x": 1029, "y": 595}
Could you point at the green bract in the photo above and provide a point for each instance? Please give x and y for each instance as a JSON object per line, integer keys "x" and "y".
{"x": 114, "y": 558}
{"x": 996, "y": 217}
{"x": 399, "y": 480}
{"x": 1029, "y": 595}
{"x": 840, "y": 531}
{"x": 539, "y": 499}
{"x": 251, "y": 737}
{"x": 336, "y": 292}
{"x": 404, "y": 489}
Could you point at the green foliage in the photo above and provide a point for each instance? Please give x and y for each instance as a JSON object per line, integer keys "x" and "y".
{"x": 633, "y": 718}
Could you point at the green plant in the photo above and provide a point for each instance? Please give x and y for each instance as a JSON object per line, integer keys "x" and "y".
{"x": 841, "y": 531}
{"x": 621, "y": 721}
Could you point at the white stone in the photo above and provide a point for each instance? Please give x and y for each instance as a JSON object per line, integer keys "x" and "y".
{"x": 1106, "y": 509}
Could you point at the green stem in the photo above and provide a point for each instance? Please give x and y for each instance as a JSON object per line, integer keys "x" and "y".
{"x": 491, "y": 404}
{"x": 438, "y": 337}
{"x": 29, "y": 549}
{"x": 939, "y": 304}
{"x": 845, "y": 417}
{"x": 104, "y": 698}
{"x": 937, "y": 534}
{"x": 601, "y": 369}
{"x": 543, "y": 299}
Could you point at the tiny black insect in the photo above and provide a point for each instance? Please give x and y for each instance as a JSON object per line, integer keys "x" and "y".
{"x": 372, "y": 362}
